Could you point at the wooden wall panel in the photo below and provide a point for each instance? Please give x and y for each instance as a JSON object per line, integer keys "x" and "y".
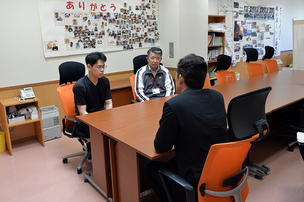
{"x": 47, "y": 93}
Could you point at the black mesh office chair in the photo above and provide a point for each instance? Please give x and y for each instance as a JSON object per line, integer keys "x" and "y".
{"x": 70, "y": 72}
{"x": 271, "y": 64}
{"x": 246, "y": 115}
{"x": 293, "y": 115}
{"x": 255, "y": 68}
{"x": 223, "y": 62}
{"x": 292, "y": 121}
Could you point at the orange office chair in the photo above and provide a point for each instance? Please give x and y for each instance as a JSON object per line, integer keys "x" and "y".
{"x": 70, "y": 72}
{"x": 207, "y": 83}
{"x": 222, "y": 170}
{"x": 271, "y": 65}
{"x": 254, "y": 69}
{"x": 224, "y": 176}
{"x": 225, "y": 76}
{"x": 132, "y": 81}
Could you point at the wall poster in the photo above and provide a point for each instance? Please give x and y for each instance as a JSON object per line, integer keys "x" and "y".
{"x": 75, "y": 27}
{"x": 250, "y": 25}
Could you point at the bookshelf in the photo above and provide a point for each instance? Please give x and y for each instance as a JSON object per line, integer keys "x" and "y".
{"x": 216, "y": 40}
{"x": 29, "y": 128}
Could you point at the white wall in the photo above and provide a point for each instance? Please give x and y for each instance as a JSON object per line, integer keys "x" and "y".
{"x": 181, "y": 22}
{"x": 213, "y": 7}
{"x": 22, "y": 58}
{"x": 169, "y": 27}
{"x": 292, "y": 9}
{"x": 184, "y": 24}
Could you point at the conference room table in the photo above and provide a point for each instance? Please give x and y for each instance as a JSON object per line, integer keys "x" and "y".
{"x": 122, "y": 137}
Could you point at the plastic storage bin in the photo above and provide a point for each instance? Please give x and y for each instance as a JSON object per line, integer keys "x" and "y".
{"x": 2, "y": 142}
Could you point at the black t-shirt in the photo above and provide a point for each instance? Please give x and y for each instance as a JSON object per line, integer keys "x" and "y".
{"x": 94, "y": 97}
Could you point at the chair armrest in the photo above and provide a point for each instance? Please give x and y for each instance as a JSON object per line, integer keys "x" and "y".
{"x": 74, "y": 127}
{"x": 70, "y": 119}
{"x": 133, "y": 101}
{"x": 235, "y": 191}
{"x": 189, "y": 190}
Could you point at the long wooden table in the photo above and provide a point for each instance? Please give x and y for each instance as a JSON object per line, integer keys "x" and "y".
{"x": 131, "y": 129}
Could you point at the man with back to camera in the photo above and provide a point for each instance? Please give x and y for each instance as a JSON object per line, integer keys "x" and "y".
{"x": 92, "y": 92}
{"x": 153, "y": 80}
{"x": 192, "y": 121}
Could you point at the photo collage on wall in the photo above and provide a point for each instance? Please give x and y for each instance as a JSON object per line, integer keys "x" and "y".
{"x": 253, "y": 28}
{"x": 128, "y": 27}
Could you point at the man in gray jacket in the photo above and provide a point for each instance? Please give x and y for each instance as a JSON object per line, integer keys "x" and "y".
{"x": 153, "y": 80}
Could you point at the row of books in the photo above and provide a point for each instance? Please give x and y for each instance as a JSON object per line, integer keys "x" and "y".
{"x": 214, "y": 40}
{"x": 212, "y": 54}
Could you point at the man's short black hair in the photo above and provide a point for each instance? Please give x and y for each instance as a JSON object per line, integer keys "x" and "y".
{"x": 193, "y": 68}
{"x": 92, "y": 58}
{"x": 155, "y": 50}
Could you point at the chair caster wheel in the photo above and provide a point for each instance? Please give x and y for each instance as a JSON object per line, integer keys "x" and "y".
{"x": 79, "y": 171}
{"x": 290, "y": 149}
{"x": 64, "y": 160}
{"x": 86, "y": 180}
{"x": 258, "y": 177}
{"x": 90, "y": 157}
{"x": 259, "y": 174}
{"x": 266, "y": 167}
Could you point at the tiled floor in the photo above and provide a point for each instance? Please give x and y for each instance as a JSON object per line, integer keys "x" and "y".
{"x": 36, "y": 173}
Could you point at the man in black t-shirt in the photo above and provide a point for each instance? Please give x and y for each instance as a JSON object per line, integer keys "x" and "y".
{"x": 92, "y": 92}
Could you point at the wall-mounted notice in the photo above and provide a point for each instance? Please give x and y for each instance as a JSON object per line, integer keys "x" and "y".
{"x": 250, "y": 25}
{"x": 73, "y": 27}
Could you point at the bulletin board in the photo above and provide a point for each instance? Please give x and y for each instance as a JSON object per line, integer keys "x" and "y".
{"x": 70, "y": 28}
{"x": 250, "y": 25}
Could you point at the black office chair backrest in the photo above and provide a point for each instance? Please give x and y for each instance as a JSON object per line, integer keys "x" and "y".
{"x": 246, "y": 114}
{"x": 70, "y": 71}
{"x": 138, "y": 62}
{"x": 269, "y": 51}
{"x": 223, "y": 62}
{"x": 252, "y": 54}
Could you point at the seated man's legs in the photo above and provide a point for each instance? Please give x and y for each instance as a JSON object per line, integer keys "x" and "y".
{"x": 156, "y": 183}
{"x": 83, "y": 130}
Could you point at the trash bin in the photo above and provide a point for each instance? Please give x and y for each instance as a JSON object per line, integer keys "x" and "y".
{"x": 2, "y": 142}
{"x": 280, "y": 64}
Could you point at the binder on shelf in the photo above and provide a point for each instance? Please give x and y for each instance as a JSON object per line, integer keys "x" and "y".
{"x": 218, "y": 40}
{"x": 212, "y": 35}
{"x": 209, "y": 54}
{"x": 209, "y": 40}
{"x": 213, "y": 54}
